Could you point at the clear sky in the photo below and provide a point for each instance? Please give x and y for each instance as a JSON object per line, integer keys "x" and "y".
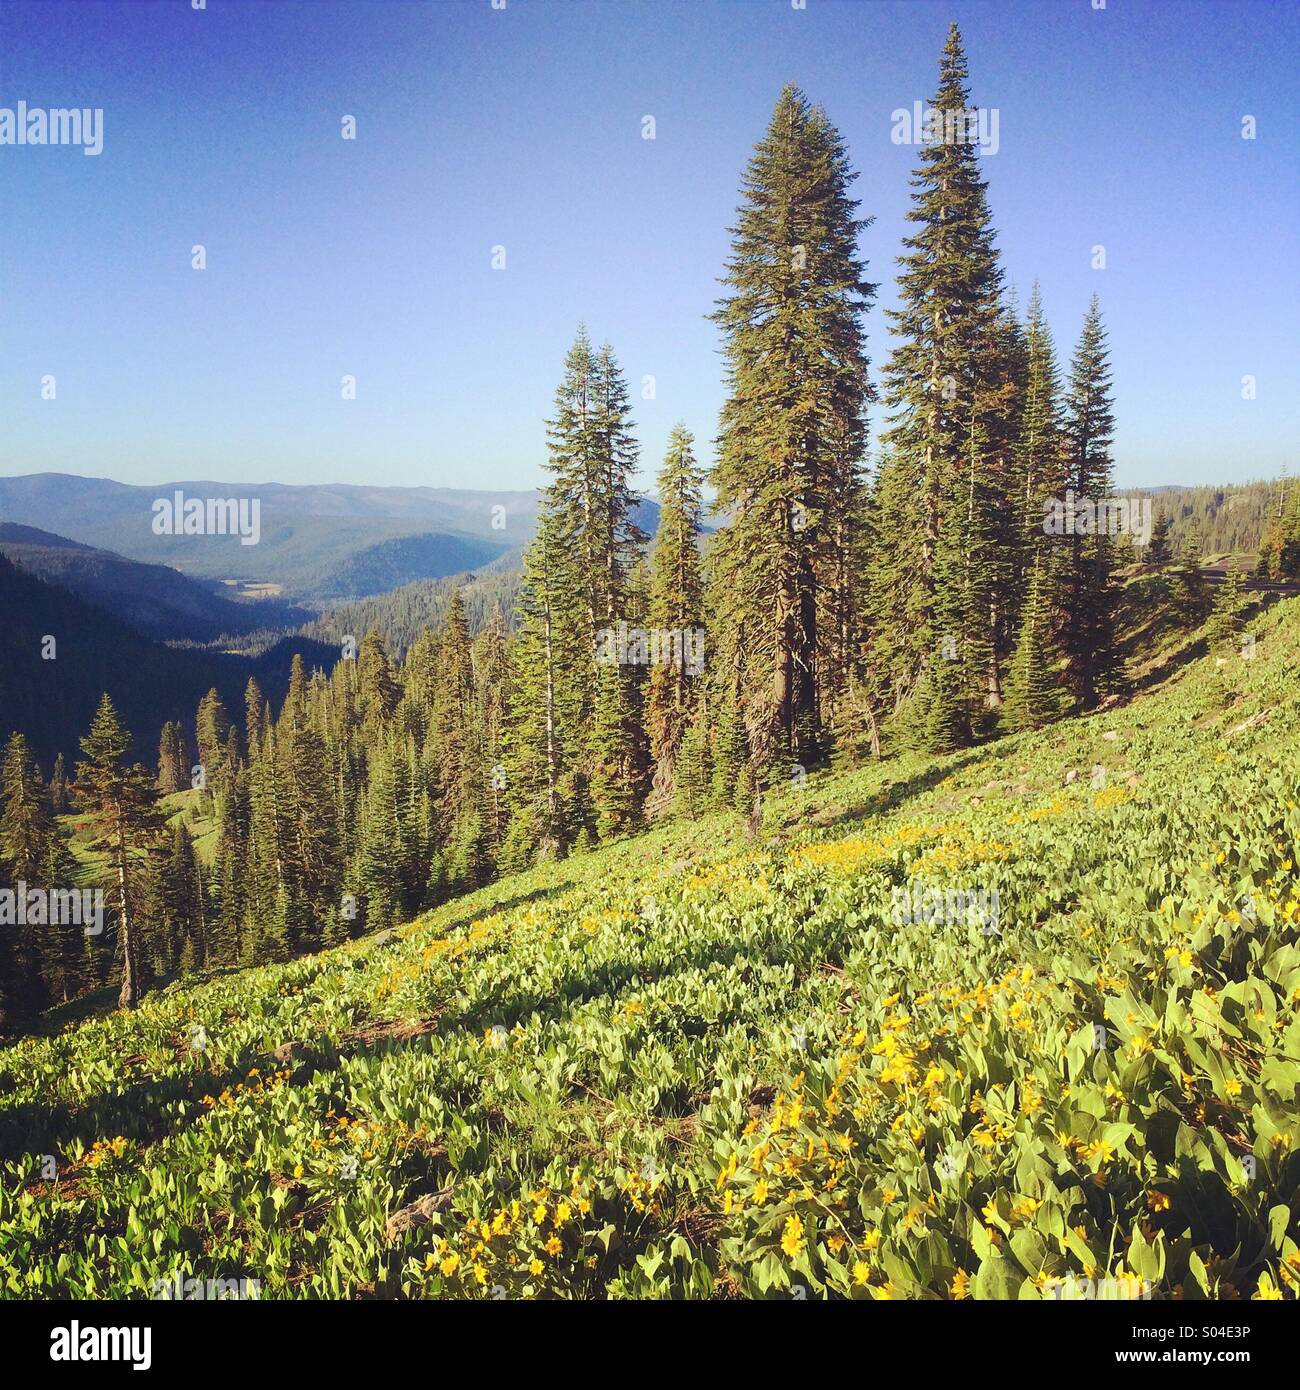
{"x": 522, "y": 127}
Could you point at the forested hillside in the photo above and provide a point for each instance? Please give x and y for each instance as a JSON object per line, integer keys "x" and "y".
{"x": 61, "y": 654}
{"x": 399, "y": 617}
{"x": 1242, "y": 519}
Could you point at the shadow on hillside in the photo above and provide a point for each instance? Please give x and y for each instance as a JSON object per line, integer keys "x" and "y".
{"x": 485, "y": 909}
{"x": 135, "y": 1110}
{"x": 101, "y": 1002}
{"x": 1163, "y": 672}
{"x": 1177, "y": 661}
{"x": 884, "y": 800}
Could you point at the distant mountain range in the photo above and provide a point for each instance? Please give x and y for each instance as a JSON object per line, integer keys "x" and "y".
{"x": 316, "y": 543}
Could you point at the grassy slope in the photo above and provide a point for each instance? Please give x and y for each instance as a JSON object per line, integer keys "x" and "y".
{"x": 692, "y": 1065}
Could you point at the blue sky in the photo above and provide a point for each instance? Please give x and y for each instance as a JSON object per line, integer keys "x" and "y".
{"x": 522, "y": 128}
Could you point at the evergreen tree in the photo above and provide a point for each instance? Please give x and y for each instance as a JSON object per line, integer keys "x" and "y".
{"x": 378, "y": 689}
{"x": 492, "y": 669}
{"x": 1160, "y": 548}
{"x": 592, "y": 458}
{"x": 552, "y": 656}
{"x": 26, "y": 835}
{"x": 25, "y": 820}
{"x": 253, "y": 897}
{"x": 255, "y": 714}
{"x": 1287, "y": 564}
{"x": 382, "y": 872}
{"x": 788, "y": 472}
{"x": 173, "y": 760}
{"x": 733, "y": 775}
{"x": 676, "y": 603}
{"x": 456, "y": 743}
{"x": 616, "y": 789}
{"x": 183, "y": 901}
{"x": 1033, "y": 696}
{"x": 211, "y": 730}
{"x": 945, "y": 496}
{"x": 1088, "y": 635}
{"x": 234, "y": 817}
{"x": 1224, "y": 625}
{"x": 692, "y": 783}
{"x": 121, "y": 806}
{"x": 1039, "y": 460}
{"x": 311, "y": 848}
{"x": 1190, "y": 578}
{"x": 57, "y": 792}
{"x": 61, "y": 947}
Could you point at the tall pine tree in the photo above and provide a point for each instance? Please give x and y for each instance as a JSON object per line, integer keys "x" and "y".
{"x": 787, "y": 479}
{"x": 121, "y": 806}
{"x": 1088, "y": 634}
{"x": 945, "y": 491}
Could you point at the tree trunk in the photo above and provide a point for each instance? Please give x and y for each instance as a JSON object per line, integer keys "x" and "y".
{"x": 129, "y": 996}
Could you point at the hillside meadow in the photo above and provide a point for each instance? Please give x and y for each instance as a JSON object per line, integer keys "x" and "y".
{"x": 703, "y": 1064}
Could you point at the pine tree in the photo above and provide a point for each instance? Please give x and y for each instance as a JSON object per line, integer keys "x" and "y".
{"x": 121, "y": 807}
{"x": 456, "y": 746}
{"x": 552, "y": 662}
{"x": 183, "y": 901}
{"x": 693, "y": 778}
{"x": 1160, "y": 548}
{"x": 173, "y": 760}
{"x": 1088, "y": 635}
{"x": 381, "y": 872}
{"x": 57, "y": 792}
{"x": 1033, "y": 696}
{"x": 378, "y": 689}
{"x": 25, "y": 820}
{"x": 591, "y": 459}
{"x": 492, "y": 670}
{"x": 733, "y": 775}
{"x": 234, "y": 817}
{"x": 946, "y": 490}
{"x": 676, "y": 603}
{"x": 255, "y": 714}
{"x": 1287, "y": 563}
{"x": 310, "y": 840}
{"x": 211, "y": 730}
{"x": 1225, "y": 615}
{"x": 26, "y": 834}
{"x": 616, "y": 789}
{"x": 1190, "y": 578}
{"x": 61, "y": 946}
{"x": 254, "y": 896}
{"x": 1039, "y": 459}
{"x": 788, "y": 472}
{"x": 608, "y": 529}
